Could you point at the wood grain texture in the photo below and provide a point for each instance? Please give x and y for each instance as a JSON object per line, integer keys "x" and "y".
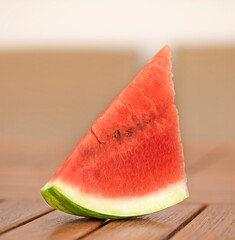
{"x": 211, "y": 179}
{"x": 19, "y": 180}
{"x": 15, "y": 212}
{"x": 206, "y": 190}
{"x": 19, "y": 192}
{"x": 216, "y": 222}
{"x": 193, "y": 153}
{"x": 154, "y": 226}
{"x": 219, "y": 158}
{"x": 24, "y": 215}
{"x": 32, "y": 156}
{"x": 55, "y": 225}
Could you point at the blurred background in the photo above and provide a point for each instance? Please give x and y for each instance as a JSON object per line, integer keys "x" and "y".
{"x": 62, "y": 62}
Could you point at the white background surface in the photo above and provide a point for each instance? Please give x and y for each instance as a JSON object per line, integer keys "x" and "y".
{"x": 145, "y": 25}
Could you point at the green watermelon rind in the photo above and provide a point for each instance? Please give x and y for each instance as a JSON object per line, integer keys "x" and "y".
{"x": 62, "y": 197}
{"x": 59, "y": 201}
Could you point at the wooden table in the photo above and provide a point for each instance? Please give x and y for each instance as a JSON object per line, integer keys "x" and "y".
{"x": 26, "y": 163}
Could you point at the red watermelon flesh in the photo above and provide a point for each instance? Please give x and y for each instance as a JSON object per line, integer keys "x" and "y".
{"x": 133, "y": 149}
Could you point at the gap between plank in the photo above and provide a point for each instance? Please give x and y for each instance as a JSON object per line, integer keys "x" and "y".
{"x": 186, "y": 222}
{"x": 100, "y": 226}
{"x": 25, "y": 221}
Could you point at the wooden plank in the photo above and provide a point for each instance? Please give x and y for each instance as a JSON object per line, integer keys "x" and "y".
{"x": 154, "y": 226}
{"x": 19, "y": 192}
{"x": 27, "y": 163}
{"x": 222, "y": 163}
{"x": 33, "y": 156}
{"x": 14, "y": 212}
{"x": 220, "y": 158}
{"x": 205, "y": 161}
{"x": 215, "y": 222}
{"x": 194, "y": 152}
{"x": 55, "y": 225}
{"x": 25, "y": 181}
{"x": 212, "y": 178}
{"x": 204, "y": 189}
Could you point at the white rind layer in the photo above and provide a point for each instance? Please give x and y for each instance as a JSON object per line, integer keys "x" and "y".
{"x": 124, "y": 206}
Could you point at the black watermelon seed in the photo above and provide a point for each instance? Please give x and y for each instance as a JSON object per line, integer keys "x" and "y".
{"x": 119, "y": 134}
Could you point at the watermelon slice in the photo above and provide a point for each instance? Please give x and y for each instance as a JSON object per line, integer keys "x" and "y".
{"x": 130, "y": 162}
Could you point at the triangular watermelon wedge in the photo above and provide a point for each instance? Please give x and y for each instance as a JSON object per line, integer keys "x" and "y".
{"x": 130, "y": 162}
